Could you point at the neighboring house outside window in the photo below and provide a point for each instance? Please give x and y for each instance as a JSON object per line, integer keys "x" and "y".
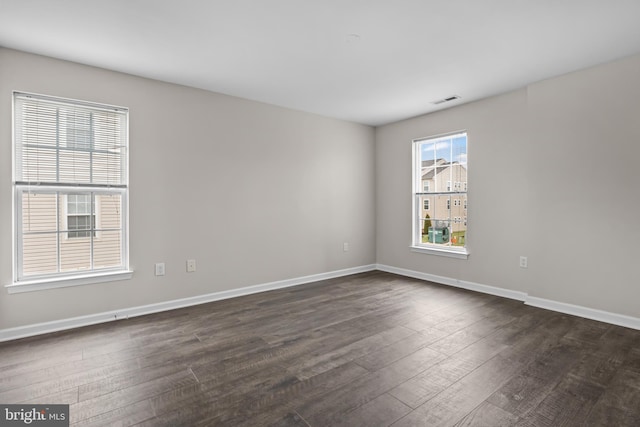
{"x": 81, "y": 216}
{"x": 71, "y": 190}
{"x": 440, "y": 175}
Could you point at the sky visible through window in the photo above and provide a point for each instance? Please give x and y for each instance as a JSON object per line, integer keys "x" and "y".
{"x": 450, "y": 148}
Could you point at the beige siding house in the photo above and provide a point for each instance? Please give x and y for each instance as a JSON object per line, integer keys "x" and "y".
{"x": 56, "y": 223}
{"x": 444, "y": 210}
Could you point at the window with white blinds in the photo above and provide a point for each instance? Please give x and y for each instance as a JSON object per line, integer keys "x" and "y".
{"x": 70, "y": 186}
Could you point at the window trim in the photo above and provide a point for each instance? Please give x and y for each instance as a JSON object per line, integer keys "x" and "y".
{"x": 63, "y": 282}
{"x": 80, "y": 277}
{"x": 450, "y": 252}
{"x": 458, "y": 252}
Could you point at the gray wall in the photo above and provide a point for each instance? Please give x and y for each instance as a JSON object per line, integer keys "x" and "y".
{"x": 553, "y": 175}
{"x": 255, "y": 193}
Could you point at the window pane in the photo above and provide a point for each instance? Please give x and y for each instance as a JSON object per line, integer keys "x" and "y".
{"x": 434, "y": 223}
{"x": 459, "y": 154}
{"x": 37, "y": 161}
{"x": 110, "y": 207}
{"x": 75, "y": 166}
{"x": 108, "y": 168}
{"x": 39, "y": 212}
{"x": 107, "y": 251}
{"x": 40, "y": 253}
{"x": 441, "y": 179}
{"x": 427, "y": 212}
{"x": 75, "y": 254}
{"x": 77, "y": 124}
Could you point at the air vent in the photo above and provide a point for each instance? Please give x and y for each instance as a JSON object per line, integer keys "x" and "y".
{"x": 442, "y": 101}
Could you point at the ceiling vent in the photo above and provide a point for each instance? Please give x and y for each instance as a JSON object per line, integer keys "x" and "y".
{"x": 449, "y": 99}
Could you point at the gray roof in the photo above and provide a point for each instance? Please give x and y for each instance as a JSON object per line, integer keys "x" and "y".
{"x": 429, "y": 170}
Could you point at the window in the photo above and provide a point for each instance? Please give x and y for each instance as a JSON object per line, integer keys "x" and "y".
{"x": 78, "y": 129}
{"x": 81, "y": 215}
{"x": 71, "y": 189}
{"x": 425, "y": 186}
{"x": 443, "y": 159}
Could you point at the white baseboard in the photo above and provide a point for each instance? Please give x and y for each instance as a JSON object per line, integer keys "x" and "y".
{"x": 588, "y": 313}
{"x": 575, "y": 310}
{"x": 92, "y": 319}
{"x": 485, "y": 289}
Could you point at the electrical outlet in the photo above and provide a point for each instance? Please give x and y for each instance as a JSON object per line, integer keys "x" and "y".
{"x": 191, "y": 265}
{"x": 523, "y": 262}
{"x": 160, "y": 269}
{"x": 345, "y": 247}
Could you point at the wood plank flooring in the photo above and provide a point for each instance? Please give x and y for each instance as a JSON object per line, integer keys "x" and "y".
{"x": 372, "y": 349}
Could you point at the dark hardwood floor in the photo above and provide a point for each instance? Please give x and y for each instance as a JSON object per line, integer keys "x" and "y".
{"x": 372, "y": 349}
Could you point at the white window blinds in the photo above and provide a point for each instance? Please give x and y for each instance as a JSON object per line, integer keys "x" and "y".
{"x": 69, "y": 144}
{"x": 71, "y": 187}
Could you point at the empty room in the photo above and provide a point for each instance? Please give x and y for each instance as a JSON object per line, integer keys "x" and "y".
{"x": 319, "y": 213}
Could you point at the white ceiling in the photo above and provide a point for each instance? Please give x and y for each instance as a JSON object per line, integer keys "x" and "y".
{"x": 305, "y": 55}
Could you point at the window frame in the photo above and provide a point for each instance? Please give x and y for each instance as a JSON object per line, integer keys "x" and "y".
{"x": 459, "y": 252}
{"x": 25, "y": 282}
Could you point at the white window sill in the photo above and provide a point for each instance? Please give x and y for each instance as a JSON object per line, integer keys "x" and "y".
{"x": 446, "y": 252}
{"x": 63, "y": 282}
